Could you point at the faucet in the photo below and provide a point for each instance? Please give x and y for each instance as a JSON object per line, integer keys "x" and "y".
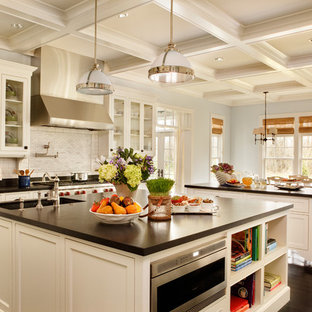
{"x": 54, "y": 193}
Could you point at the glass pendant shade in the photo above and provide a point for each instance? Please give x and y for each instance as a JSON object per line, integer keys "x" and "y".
{"x": 94, "y": 82}
{"x": 171, "y": 67}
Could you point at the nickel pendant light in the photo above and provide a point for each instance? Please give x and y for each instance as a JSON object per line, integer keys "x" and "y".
{"x": 262, "y": 133}
{"x": 95, "y": 82}
{"x": 171, "y": 66}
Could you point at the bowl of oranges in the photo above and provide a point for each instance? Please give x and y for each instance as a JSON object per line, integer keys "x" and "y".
{"x": 116, "y": 210}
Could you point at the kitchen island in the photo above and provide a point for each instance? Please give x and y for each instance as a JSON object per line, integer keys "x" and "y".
{"x": 67, "y": 260}
{"x": 300, "y": 217}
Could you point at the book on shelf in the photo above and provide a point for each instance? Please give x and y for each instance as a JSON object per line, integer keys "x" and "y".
{"x": 271, "y": 280}
{"x": 238, "y": 255}
{"x": 245, "y": 289}
{"x": 271, "y": 244}
{"x": 239, "y": 304}
{"x": 272, "y": 288}
{"x": 266, "y": 231}
{"x": 241, "y": 265}
{"x": 255, "y": 243}
{"x": 240, "y": 260}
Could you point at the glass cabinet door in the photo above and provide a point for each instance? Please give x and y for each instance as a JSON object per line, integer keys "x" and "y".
{"x": 119, "y": 123}
{"x": 14, "y": 112}
{"x": 135, "y": 125}
{"x": 148, "y": 128}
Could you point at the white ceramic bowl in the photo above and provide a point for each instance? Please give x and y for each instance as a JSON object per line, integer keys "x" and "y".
{"x": 193, "y": 207}
{"x": 207, "y": 206}
{"x": 116, "y": 218}
{"x": 178, "y": 208}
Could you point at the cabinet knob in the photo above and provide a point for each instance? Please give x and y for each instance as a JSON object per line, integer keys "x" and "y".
{"x": 111, "y": 149}
{"x": 25, "y": 147}
{"x": 142, "y": 151}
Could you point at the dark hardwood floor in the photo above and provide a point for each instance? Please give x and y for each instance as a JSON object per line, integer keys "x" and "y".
{"x": 300, "y": 283}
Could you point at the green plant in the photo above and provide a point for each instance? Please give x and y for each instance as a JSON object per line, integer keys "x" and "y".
{"x": 160, "y": 186}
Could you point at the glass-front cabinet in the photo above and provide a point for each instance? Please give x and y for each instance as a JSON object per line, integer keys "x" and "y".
{"x": 15, "y": 109}
{"x": 119, "y": 123}
{"x": 133, "y": 124}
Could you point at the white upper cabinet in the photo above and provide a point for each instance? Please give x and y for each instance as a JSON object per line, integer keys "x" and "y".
{"x": 15, "y": 109}
{"x": 134, "y": 124}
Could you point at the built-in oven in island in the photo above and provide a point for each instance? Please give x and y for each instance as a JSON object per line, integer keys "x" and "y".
{"x": 189, "y": 281}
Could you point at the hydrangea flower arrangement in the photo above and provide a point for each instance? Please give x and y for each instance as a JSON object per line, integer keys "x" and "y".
{"x": 222, "y": 167}
{"x": 126, "y": 167}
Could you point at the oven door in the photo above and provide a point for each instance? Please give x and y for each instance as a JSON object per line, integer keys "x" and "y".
{"x": 190, "y": 287}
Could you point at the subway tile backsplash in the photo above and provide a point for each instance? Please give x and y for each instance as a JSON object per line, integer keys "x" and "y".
{"x": 77, "y": 150}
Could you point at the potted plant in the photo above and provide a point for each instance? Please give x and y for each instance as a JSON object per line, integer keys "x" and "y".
{"x": 126, "y": 170}
{"x": 159, "y": 200}
{"x": 223, "y": 172}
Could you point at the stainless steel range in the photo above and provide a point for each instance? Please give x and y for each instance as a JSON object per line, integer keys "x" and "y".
{"x": 83, "y": 190}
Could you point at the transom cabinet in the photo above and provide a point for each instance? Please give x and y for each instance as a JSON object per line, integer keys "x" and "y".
{"x": 15, "y": 109}
{"x": 134, "y": 124}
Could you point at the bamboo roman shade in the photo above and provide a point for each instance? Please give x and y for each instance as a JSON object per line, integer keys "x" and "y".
{"x": 305, "y": 124}
{"x": 282, "y": 125}
{"x": 217, "y": 126}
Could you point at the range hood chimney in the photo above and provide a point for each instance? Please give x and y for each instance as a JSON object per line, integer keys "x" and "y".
{"x": 54, "y": 100}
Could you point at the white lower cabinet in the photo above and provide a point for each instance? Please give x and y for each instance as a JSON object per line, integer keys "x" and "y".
{"x": 98, "y": 280}
{"x": 6, "y": 268}
{"x": 298, "y": 229}
{"x": 38, "y": 267}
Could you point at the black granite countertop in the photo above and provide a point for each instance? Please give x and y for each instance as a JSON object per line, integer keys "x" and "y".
{"x": 144, "y": 237}
{"x": 270, "y": 189}
{"x": 13, "y": 189}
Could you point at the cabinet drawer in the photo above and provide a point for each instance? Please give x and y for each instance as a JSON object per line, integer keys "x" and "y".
{"x": 301, "y": 206}
{"x": 220, "y": 306}
{"x": 298, "y": 231}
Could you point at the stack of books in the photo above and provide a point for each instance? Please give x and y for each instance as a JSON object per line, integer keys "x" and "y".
{"x": 271, "y": 244}
{"x": 245, "y": 248}
{"x": 240, "y": 260}
{"x": 238, "y": 304}
{"x": 245, "y": 289}
{"x": 271, "y": 281}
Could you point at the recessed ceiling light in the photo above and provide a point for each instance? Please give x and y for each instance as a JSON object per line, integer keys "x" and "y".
{"x": 17, "y": 25}
{"x": 219, "y": 59}
{"x": 122, "y": 15}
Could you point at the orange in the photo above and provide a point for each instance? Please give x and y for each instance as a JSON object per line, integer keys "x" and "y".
{"x": 247, "y": 181}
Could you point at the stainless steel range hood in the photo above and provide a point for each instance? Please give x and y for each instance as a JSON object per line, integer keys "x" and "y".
{"x": 54, "y": 100}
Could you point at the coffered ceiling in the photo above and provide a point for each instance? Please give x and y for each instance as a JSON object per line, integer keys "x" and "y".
{"x": 238, "y": 48}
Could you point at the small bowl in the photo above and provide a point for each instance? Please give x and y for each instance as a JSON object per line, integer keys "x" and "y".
{"x": 178, "y": 208}
{"x": 194, "y": 207}
{"x": 208, "y": 206}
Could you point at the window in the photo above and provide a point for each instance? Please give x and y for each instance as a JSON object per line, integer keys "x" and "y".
{"x": 216, "y": 142}
{"x": 172, "y": 134}
{"x": 279, "y": 156}
{"x": 305, "y": 130}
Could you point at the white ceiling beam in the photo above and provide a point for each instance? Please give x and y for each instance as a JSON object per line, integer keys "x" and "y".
{"x": 126, "y": 63}
{"x": 201, "y": 45}
{"x": 35, "y": 12}
{"x": 242, "y": 71}
{"x": 122, "y": 42}
{"x": 283, "y": 26}
{"x": 206, "y": 16}
{"x": 278, "y": 87}
{"x": 77, "y": 18}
